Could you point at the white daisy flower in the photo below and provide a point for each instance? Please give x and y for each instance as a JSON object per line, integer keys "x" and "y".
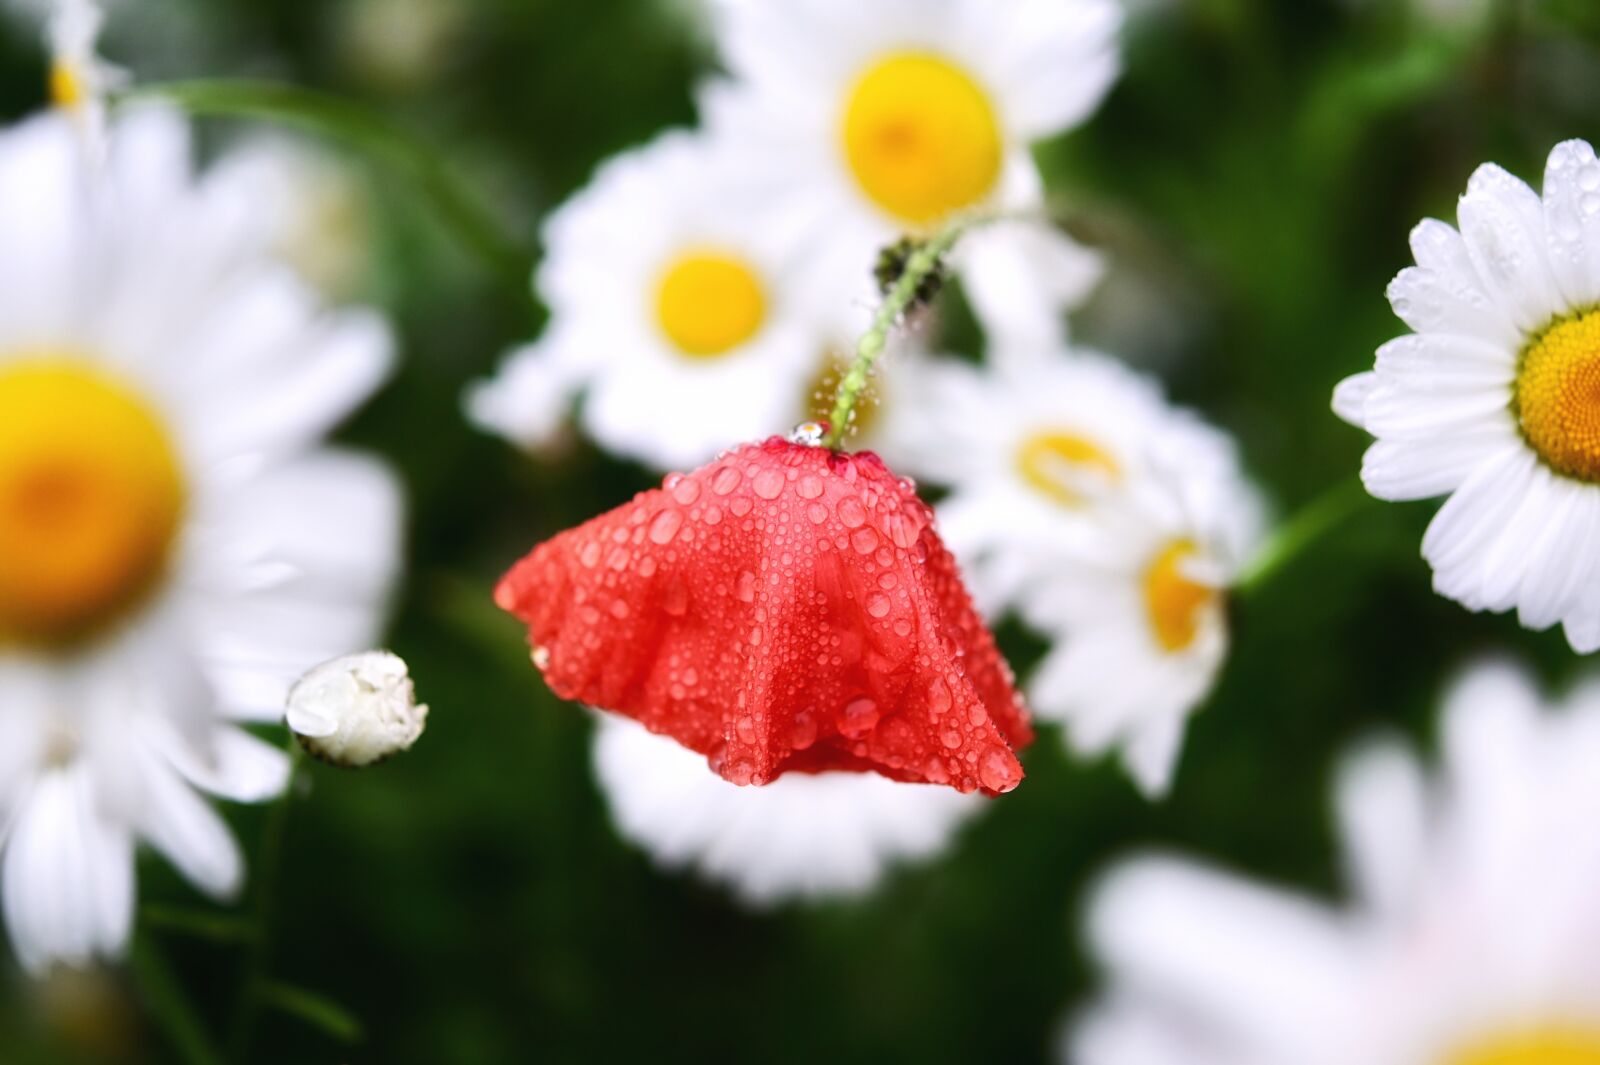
{"x": 1471, "y": 940}
{"x": 802, "y": 836}
{"x": 1111, "y": 520}
{"x": 672, "y": 306}
{"x": 321, "y": 205}
{"x": 1494, "y": 400}
{"x": 1028, "y": 444}
{"x": 175, "y": 547}
{"x": 1136, "y": 604}
{"x": 897, "y": 115}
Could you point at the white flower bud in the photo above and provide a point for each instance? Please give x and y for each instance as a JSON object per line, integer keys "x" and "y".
{"x": 356, "y": 710}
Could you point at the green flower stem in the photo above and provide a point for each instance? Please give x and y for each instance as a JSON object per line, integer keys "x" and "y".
{"x": 171, "y": 1009}
{"x": 921, "y": 263}
{"x": 253, "y": 989}
{"x": 367, "y": 133}
{"x": 1291, "y": 539}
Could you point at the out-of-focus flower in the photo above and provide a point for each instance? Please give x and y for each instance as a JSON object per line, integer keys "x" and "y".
{"x": 79, "y": 78}
{"x": 1027, "y": 445}
{"x": 1137, "y": 606}
{"x": 897, "y": 115}
{"x": 320, "y": 204}
{"x": 673, "y": 306}
{"x": 1109, "y": 519}
{"x": 175, "y": 547}
{"x": 356, "y": 710}
{"x": 1492, "y": 400}
{"x": 1471, "y": 941}
{"x": 399, "y": 45}
{"x": 807, "y": 835}
{"x": 785, "y": 608}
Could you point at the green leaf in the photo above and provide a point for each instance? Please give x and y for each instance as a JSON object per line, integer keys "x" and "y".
{"x": 170, "y": 1008}
{"x": 200, "y": 924}
{"x": 315, "y": 1009}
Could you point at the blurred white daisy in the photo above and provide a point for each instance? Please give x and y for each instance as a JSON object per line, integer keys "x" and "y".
{"x": 672, "y": 307}
{"x": 321, "y": 204}
{"x": 1111, "y": 520}
{"x": 1028, "y": 444}
{"x": 1494, "y": 399}
{"x": 896, "y": 115}
{"x": 1471, "y": 939}
{"x": 175, "y": 546}
{"x": 803, "y": 836}
{"x": 1136, "y": 605}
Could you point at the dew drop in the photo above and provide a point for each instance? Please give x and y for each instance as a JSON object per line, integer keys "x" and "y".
{"x": 878, "y": 605}
{"x": 726, "y": 480}
{"x": 713, "y": 516}
{"x": 938, "y": 698}
{"x": 859, "y": 717}
{"x": 998, "y": 769}
{"x": 851, "y": 513}
{"x": 768, "y": 484}
{"x": 590, "y": 555}
{"x": 740, "y": 505}
{"x": 902, "y": 627}
{"x": 647, "y": 565}
{"x": 739, "y": 772}
{"x": 746, "y": 588}
{"x": 745, "y": 728}
{"x": 619, "y": 609}
{"x": 756, "y": 636}
{"x": 887, "y": 581}
{"x": 686, "y": 491}
{"x": 803, "y": 730}
{"x": 810, "y": 486}
{"x": 864, "y": 540}
{"x": 817, "y": 513}
{"x": 666, "y": 526}
{"x": 951, "y": 738}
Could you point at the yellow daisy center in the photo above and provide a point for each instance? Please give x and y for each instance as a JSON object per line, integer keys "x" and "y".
{"x": 67, "y": 88}
{"x": 1175, "y": 604}
{"x": 709, "y": 302}
{"x": 1054, "y": 463}
{"x": 1545, "y": 1046}
{"x": 921, "y": 137}
{"x": 1557, "y": 397}
{"x": 91, "y": 498}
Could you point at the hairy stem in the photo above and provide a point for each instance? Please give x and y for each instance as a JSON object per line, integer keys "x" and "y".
{"x": 922, "y": 262}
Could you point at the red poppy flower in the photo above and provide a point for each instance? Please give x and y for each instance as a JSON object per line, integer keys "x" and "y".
{"x": 786, "y": 607}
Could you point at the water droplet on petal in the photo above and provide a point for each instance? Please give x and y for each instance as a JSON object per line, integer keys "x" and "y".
{"x": 726, "y": 480}
{"x": 878, "y": 605}
{"x": 666, "y": 526}
{"x": 851, "y": 513}
{"x": 686, "y": 491}
{"x": 746, "y": 588}
{"x": 810, "y": 486}
{"x": 858, "y": 717}
{"x": 998, "y": 769}
{"x": 768, "y": 484}
{"x": 864, "y": 540}
{"x": 803, "y": 730}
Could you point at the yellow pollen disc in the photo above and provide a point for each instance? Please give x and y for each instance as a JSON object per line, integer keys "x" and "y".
{"x": 709, "y": 303}
{"x": 1175, "y": 604}
{"x": 1546, "y": 1046}
{"x": 1054, "y": 464}
{"x": 1557, "y": 396}
{"x": 66, "y": 85}
{"x": 921, "y": 137}
{"x": 91, "y": 497}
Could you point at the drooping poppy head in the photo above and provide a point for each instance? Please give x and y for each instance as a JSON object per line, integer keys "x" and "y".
{"x": 786, "y": 607}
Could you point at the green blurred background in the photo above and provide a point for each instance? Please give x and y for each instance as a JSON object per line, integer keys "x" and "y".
{"x": 1252, "y": 178}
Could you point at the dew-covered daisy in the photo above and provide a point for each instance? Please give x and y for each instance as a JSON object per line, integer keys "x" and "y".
{"x": 175, "y": 544}
{"x": 1471, "y": 937}
{"x": 1494, "y": 399}
{"x": 673, "y": 309}
{"x": 897, "y": 115}
{"x": 802, "y": 836}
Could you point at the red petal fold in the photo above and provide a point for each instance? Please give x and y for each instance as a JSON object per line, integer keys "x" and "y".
{"x": 786, "y": 607}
